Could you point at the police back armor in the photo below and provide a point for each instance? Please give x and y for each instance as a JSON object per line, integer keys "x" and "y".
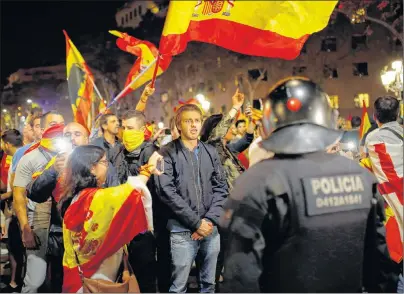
{"x": 305, "y": 223}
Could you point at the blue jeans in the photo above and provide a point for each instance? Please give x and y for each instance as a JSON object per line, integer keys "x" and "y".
{"x": 184, "y": 251}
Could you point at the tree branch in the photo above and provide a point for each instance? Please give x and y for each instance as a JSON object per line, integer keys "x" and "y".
{"x": 378, "y": 21}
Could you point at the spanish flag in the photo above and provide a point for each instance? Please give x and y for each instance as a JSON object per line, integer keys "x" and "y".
{"x": 146, "y": 53}
{"x": 365, "y": 123}
{"x": 275, "y": 29}
{"x": 5, "y": 166}
{"x": 393, "y": 238}
{"x": 48, "y": 141}
{"x": 80, "y": 83}
{"x": 97, "y": 225}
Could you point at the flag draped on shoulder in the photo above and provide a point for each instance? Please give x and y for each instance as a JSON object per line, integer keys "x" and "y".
{"x": 387, "y": 165}
{"x": 146, "y": 53}
{"x": 365, "y": 122}
{"x": 275, "y": 29}
{"x": 5, "y": 166}
{"x": 96, "y": 225}
{"x": 80, "y": 83}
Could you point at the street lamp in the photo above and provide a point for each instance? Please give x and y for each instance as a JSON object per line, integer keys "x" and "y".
{"x": 200, "y": 98}
{"x": 160, "y": 125}
{"x": 4, "y": 110}
{"x": 392, "y": 80}
{"x": 205, "y": 105}
{"x": 29, "y": 101}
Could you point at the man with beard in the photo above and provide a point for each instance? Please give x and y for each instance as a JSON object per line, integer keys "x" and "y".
{"x": 109, "y": 141}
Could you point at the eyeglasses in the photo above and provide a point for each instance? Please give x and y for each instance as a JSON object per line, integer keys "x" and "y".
{"x": 103, "y": 162}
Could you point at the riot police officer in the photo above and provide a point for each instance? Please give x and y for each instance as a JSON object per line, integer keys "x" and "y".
{"x": 305, "y": 221}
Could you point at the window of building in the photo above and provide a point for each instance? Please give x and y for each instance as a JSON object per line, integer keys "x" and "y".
{"x": 334, "y": 101}
{"x": 299, "y": 70}
{"x": 140, "y": 10}
{"x": 122, "y": 20}
{"x": 126, "y": 18}
{"x": 360, "y": 99}
{"x": 329, "y": 44}
{"x": 359, "y": 42}
{"x": 330, "y": 72}
{"x": 360, "y": 69}
{"x": 256, "y": 73}
{"x": 135, "y": 12}
{"x": 130, "y": 15}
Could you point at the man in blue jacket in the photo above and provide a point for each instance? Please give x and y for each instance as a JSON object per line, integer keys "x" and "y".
{"x": 193, "y": 188}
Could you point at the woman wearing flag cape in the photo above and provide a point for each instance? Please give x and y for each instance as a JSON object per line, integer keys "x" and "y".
{"x": 97, "y": 223}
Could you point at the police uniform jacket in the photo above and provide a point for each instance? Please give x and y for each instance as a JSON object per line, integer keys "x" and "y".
{"x": 307, "y": 223}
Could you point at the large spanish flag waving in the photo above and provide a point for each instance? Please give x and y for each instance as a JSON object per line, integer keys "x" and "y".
{"x": 97, "y": 225}
{"x": 146, "y": 53}
{"x": 275, "y": 29}
{"x": 80, "y": 82}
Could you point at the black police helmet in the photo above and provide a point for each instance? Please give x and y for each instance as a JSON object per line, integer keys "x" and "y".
{"x": 298, "y": 118}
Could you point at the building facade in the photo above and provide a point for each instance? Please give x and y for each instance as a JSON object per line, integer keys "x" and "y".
{"x": 131, "y": 13}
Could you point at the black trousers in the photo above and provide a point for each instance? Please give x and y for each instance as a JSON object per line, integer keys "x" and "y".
{"x": 142, "y": 258}
{"x": 163, "y": 260}
{"x": 16, "y": 248}
{"x": 220, "y": 258}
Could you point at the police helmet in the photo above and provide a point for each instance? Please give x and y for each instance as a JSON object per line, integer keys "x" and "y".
{"x": 298, "y": 118}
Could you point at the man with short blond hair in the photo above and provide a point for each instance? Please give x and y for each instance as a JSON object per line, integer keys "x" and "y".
{"x": 193, "y": 189}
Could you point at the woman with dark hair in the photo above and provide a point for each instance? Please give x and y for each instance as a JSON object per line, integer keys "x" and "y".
{"x": 97, "y": 222}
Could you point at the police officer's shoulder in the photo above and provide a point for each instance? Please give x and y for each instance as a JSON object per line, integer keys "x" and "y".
{"x": 264, "y": 178}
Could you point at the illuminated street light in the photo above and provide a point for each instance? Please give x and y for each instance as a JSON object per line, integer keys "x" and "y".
{"x": 392, "y": 80}
{"x": 29, "y": 101}
{"x": 200, "y": 98}
{"x": 160, "y": 125}
{"x": 205, "y": 105}
{"x": 4, "y": 110}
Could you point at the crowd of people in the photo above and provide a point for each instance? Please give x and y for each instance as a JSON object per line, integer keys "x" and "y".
{"x": 78, "y": 204}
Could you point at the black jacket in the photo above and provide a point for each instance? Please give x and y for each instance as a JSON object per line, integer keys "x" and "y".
{"x": 115, "y": 155}
{"x": 40, "y": 189}
{"x": 183, "y": 191}
{"x": 139, "y": 157}
{"x": 310, "y": 223}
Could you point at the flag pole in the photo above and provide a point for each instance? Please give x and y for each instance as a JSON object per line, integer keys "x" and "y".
{"x": 127, "y": 87}
{"x": 155, "y": 71}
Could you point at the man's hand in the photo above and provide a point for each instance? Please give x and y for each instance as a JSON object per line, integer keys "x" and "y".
{"x": 238, "y": 99}
{"x": 148, "y": 91}
{"x": 195, "y": 236}
{"x": 28, "y": 237}
{"x": 60, "y": 162}
{"x": 205, "y": 229}
{"x": 3, "y": 231}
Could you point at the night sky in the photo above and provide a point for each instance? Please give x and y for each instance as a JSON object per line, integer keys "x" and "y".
{"x": 31, "y": 31}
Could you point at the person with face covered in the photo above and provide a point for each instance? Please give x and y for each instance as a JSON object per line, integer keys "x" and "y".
{"x": 137, "y": 152}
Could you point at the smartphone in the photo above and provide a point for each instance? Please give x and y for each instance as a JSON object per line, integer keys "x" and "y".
{"x": 257, "y": 104}
{"x": 160, "y": 165}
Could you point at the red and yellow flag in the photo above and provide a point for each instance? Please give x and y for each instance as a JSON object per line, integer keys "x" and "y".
{"x": 97, "y": 225}
{"x": 146, "y": 53}
{"x": 80, "y": 83}
{"x": 48, "y": 139}
{"x": 5, "y": 166}
{"x": 275, "y": 29}
{"x": 365, "y": 123}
